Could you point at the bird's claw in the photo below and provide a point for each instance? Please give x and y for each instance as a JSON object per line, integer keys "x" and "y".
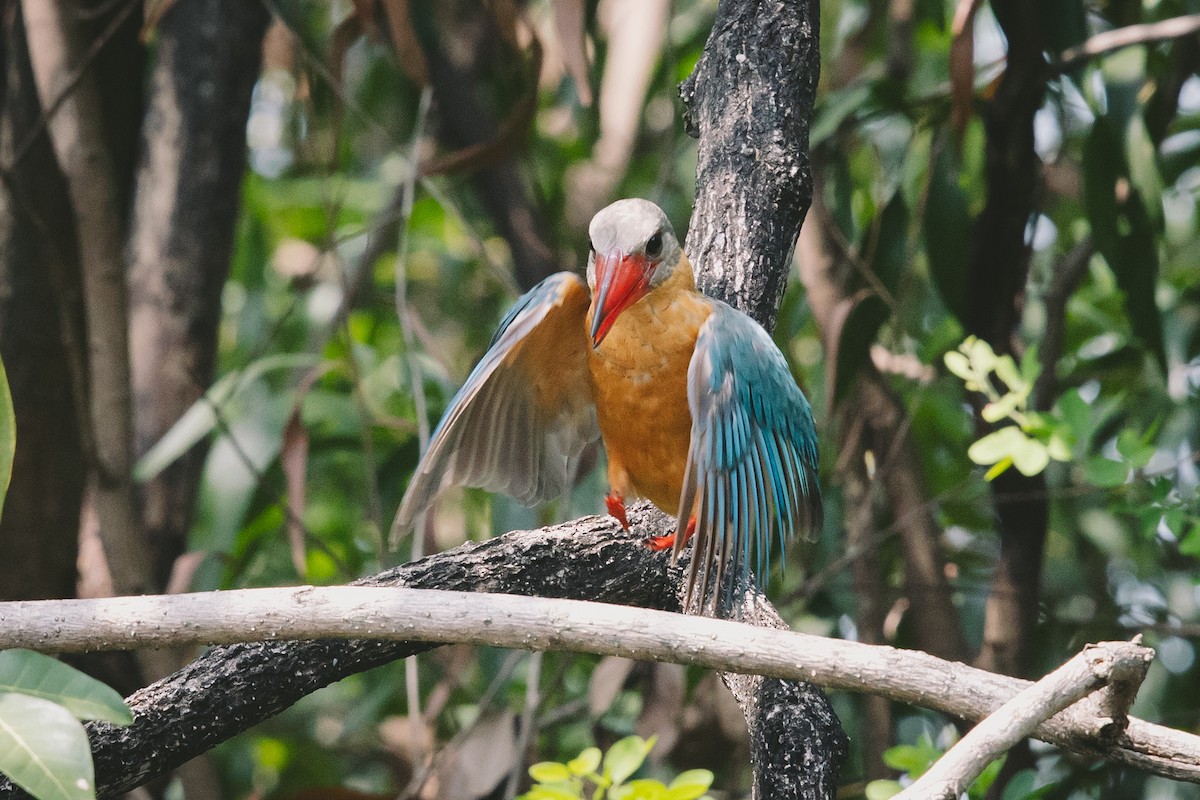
{"x": 660, "y": 543}
{"x": 616, "y": 508}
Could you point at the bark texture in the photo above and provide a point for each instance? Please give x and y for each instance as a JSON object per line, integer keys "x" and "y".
{"x": 995, "y": 295}
{"x": 180, "y": 244}
{"x": 749, "y": 101}
{"x": 39, "y": 303}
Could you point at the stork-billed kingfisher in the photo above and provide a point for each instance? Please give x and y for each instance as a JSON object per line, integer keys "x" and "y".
{"x": 694, "y": 402}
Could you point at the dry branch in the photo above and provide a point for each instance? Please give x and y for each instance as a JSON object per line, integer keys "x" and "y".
{"x": 1095, "y": 667}
{"x": 405, "y": 616}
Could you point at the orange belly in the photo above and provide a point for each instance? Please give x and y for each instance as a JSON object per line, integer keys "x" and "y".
{"x": 639, "y": 377}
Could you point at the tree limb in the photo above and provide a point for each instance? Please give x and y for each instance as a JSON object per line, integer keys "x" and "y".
{"x": 401, "y": 618}
{"x": 1021, "y": 716}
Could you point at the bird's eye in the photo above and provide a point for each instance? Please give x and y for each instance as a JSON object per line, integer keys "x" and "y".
{"x": 654, "y": 245}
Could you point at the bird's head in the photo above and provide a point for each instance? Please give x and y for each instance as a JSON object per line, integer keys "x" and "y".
{"x": 633, "y": 251}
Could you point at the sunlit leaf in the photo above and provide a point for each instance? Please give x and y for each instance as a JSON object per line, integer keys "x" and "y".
{"x": 625, "y": 756}
{"x": 882, "y": 790}
{"x": 996, "y": 445}
{"x": 41, "y": 676}
{"x": 586, "y": 762}
{"x": 8, "y": 435}
{"x": 549, "y": 772}
{"x": 690, "y": 785}
{"x": 1030, "y": 456}
{"x": 44, "y": 749}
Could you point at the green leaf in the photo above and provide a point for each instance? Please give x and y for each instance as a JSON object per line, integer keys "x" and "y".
{"x": 200, "y": 420}
{"x": 912, "y": 759}
{"x": 1058, "y": 447}
{"x": 1002, "y": 408}
{"x": 996, "y": 445}
{"x": 959, "y": 365}
{"x": 1123, "y": 234}
{"x": 838, "y": 106}
{"x": 549, "y": 772}
{"x": 1006, "y": 370}
{"x": 8, "y": 435}
{"x": 44, "y": 749}
{"x": 586, "y": 762}
{"x": 1106, "y": 473}
{"x": 854, "y": 339}
{"x": 1133, "y": 449}
{"x": 625, "y": 756}
{"x": 41, "y": 676}
{"x": 982, "y": 356}
{"x": 644, "y": 790}
{"x": 549, "y": 793}
{"x": 882, "y": 790}
{"x": 1076, "y": 413}
{"x": 1030, "y": 457}
{"x": 1189, "y": 545}
{"x": 998, "y": 468}
{"x": 690, "y": 785}
{"x": 891, "y": 257}
{"x": 947, "y": 230}
{"x": 1143, "y": 167}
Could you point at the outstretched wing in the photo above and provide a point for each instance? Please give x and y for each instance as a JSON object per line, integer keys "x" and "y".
{"x": 752, "y": 465}
{"x": 525, "y": 414}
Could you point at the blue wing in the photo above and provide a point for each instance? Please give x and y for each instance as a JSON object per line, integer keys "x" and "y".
{"x": 751, "y": 475}
{"x": 525, "y": 414}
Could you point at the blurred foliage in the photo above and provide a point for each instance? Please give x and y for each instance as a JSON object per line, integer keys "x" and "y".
{"x": 307, "y": 325}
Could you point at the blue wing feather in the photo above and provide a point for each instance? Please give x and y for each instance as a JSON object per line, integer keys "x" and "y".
{"x": 496, "y": 433}
{"x": 752, "y": 464}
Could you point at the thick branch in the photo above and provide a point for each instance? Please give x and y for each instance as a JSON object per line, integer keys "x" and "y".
{"x": 402, "y": 616}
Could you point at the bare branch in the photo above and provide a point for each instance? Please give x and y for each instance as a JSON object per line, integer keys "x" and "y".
{"x": 1107, "y": 42}
{"x": 1096, "y": 666}
{"x": 408, "y": 615}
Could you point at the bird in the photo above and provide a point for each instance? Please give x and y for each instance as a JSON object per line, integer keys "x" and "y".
{"x": 692, "y": 399}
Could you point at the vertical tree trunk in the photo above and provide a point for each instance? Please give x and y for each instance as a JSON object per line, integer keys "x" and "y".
{"x": 181, "y": 236}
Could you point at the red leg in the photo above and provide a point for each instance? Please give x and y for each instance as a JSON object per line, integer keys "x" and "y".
{"x": 616, "y": 508}
{"x": 659, "y": 543}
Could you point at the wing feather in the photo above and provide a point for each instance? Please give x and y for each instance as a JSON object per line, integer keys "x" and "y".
{"x": 525, "y": 415}
{"x": 752, "y": 463}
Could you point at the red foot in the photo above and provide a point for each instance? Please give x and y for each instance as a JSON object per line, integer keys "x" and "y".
{"x": 616, "y": 508}
{"x": 660, "y": 543}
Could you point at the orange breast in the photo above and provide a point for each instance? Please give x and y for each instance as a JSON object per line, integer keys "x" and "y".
{"x": 639, "y": 377}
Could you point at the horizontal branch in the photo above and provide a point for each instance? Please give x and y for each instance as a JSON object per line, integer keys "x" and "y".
{"x": 1127, "y": 36}
{"x": 1095, "y": 667}
{"x": 401, "y": 614}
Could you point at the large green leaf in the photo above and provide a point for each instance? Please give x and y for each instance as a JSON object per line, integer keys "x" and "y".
{"x": 199, "y": 420}
{"x": 947, "y": 231}
{"x": 890, "y": 258}
{"x": 44, "y": 749}
{"x": 41, "y": 676}
{"x": 8, "y": 435}
{"x": 853, "y": 340}
{"x": 1124, "y": 234}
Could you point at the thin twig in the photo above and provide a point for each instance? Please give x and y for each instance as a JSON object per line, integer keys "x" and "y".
{"x": 1104, "y": 43}
{"x": 950, "y": 776}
